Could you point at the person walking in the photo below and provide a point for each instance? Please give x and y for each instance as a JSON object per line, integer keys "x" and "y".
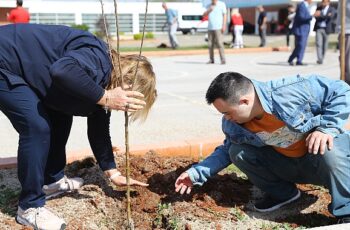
{"x": 216, "y": 13}
{"x": 19, "y": 15}
{"x": 301, "y": 30}
{"x": 237, "y": 28}
{"x": 48, "y": 74}
{"x": 323, "y": 26}
{"x": 280, "y": 133}
{"x": 347, "y": 36}
{"x": 289, "y": 23}
{"x": 262, "y": 21}
{"x": 172, "y": 22}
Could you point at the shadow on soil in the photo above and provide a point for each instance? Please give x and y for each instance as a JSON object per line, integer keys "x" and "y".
{"x": 220, "y": 194}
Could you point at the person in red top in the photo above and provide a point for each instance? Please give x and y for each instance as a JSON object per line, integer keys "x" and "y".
{"x": 19, "y": 15}
{"x": 237, "y": 28}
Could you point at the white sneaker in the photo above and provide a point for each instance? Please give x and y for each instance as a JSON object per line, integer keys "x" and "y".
{"x": 64, "y": 185}
{"x": 40, "y": 219}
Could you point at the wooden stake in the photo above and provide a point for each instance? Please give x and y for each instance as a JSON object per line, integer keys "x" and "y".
{"x": 342, "y": 39}
{"x": 130, "y": 224}
{"x": 107, "y": 35}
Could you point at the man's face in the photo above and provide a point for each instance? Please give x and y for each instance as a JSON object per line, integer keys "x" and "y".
{"x": 214, "y": 2}
{"x": 240, "y": 113}
{"x": 325, "y": 2}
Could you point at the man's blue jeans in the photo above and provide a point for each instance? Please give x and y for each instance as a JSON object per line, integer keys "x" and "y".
{"x": 277, "y": 174}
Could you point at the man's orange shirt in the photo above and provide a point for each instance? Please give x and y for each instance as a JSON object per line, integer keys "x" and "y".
{"x": 275, "y": 133}
{"x": 19, "y": 15}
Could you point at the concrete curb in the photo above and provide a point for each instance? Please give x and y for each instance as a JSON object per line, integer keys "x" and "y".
{"x": 195, "y": 149}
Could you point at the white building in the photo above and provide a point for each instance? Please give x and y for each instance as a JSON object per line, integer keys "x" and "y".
{"x": 130, "y": 13}
{"x": 88, "y": 12}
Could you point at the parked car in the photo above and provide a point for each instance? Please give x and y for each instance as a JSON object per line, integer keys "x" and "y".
{"x": 192, "y": 23}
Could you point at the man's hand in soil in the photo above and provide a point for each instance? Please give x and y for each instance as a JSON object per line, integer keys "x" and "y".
{"x": 183, "y": 184}
{"x": 317, "y": 142}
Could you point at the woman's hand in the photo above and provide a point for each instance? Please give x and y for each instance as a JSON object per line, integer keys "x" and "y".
{"x": 119, "y": 180}
{"x": 119, "y": 99}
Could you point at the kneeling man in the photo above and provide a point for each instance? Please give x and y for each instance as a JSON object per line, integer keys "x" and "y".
{"x": 280, "y": 133}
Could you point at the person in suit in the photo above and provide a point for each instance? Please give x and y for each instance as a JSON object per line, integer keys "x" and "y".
{"x": 323, "y": 27}
{"x": 347, "y": 36}
{"x": 289, "y": 23}
{"x": 262, "y": 21}
{"x": 301, "y": 29}
{"x": 48, "y": 74}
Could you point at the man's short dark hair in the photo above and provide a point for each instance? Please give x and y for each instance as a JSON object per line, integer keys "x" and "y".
{"x": 19, "y": 2}
{"x": 229, "y": 86}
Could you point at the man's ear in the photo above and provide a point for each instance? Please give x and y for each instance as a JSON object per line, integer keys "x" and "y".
{"x": 244, "y": 100}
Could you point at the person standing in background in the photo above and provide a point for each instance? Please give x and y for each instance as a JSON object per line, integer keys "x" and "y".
{"x": 347, "y": 36}
{"x": 289, "y": 22}
{"x": 19, "y": 15}
{"x": 262, "y": 19}
{"x": 171, "y": 18}
{"x": 216, "y": 13}
{"x": 301, "y": 30}
{"x": 323, "y": 27}
{"x": 237, "y": 28}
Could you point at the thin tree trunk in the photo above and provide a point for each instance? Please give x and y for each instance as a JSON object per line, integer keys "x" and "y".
{"x": 342, "y": 39}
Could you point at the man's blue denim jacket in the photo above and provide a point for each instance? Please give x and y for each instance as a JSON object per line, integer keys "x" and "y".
{"x": 303, "y": 103}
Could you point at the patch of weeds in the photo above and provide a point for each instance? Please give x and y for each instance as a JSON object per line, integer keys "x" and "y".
{"x": 318, "y": 187}
{"x": 8, "y": 201}
{"x": 238, "y": 214}
{"x": 286, "y": 226}
{"x": 269, "y": 226}
{"x": 233, "y": 169}
{"x": 165, "y": 219}
{"x": 212, "y": 212}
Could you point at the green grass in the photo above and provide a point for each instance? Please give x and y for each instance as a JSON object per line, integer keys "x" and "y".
{"x": 236, "y": 212}
{"x": 163, "y": 219}
{"x": 233, "y": 169}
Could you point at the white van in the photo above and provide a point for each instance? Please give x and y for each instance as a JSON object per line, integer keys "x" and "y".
{"x": 192, "y": 23}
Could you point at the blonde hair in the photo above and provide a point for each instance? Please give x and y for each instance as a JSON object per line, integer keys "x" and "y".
{"x": 145, "y": 80}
